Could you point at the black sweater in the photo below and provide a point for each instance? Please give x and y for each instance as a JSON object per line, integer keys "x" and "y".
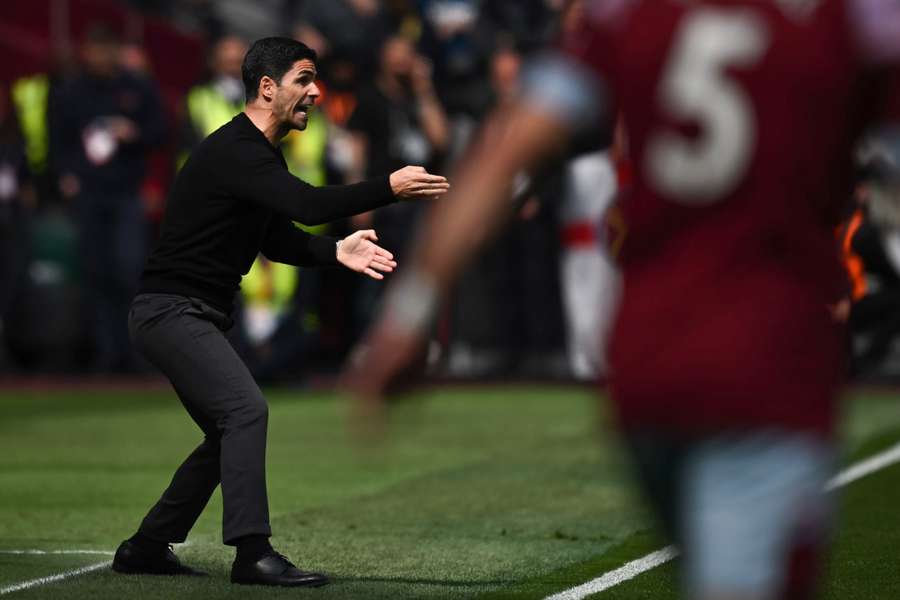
{"x": 234, "y": 198}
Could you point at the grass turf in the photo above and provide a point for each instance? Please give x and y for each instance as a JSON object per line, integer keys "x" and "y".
{"x": 474, "y": 493}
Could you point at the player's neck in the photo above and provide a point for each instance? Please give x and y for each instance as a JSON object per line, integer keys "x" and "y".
{"x": 266, "y": 122}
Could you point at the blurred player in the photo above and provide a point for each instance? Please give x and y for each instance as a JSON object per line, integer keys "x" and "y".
{"x": 725, "y": 359}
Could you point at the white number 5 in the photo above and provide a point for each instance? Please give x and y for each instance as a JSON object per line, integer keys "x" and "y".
{"x": 695, "y": 88}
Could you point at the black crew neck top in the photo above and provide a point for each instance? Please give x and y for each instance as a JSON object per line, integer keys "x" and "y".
{"x": 235, "y": 198}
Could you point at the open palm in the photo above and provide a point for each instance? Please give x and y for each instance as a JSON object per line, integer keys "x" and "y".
{"x": 358, "y": 252}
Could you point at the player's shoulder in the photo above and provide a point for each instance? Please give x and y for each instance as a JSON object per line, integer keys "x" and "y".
{"x": 605, "y": 14}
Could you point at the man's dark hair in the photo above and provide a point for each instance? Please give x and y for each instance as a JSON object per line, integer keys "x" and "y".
{"x": 272, "y": 56}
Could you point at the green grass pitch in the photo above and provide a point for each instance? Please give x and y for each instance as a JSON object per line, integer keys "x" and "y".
{"x": 483, "y": 493}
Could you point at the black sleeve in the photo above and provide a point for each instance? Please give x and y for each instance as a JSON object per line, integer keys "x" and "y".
{"x": 263, "y": 179}
{"x": 362, "y": 119}
{"x": 287, "y": 243}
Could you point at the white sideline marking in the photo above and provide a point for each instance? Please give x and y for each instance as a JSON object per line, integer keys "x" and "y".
{"x": 38, "y": 552}
{"x": 24, "y": 585}
{"x": 614, "y": 578}
{"x": 58, "y": 577}
{"x": 879, "y": 461}
{"x": 865, "y": 467}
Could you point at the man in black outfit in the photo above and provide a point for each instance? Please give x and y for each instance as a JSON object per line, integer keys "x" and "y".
{"x": 234, "y": 198}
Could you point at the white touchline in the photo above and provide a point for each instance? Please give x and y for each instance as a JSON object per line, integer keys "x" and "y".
{"x": 879, "y": 461}
{"x": 58, "y": 577}
{"x": 24, "y": 585}
{"x": 870, "y": 465}
{"x": 614, "y": 578}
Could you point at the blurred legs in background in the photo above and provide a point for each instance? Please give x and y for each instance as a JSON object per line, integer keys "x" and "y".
{"x": 590, "y": 280}
{"x": 113, "y": 244}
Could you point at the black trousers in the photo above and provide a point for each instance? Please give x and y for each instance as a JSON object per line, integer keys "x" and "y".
{"x": 184, "y": 338}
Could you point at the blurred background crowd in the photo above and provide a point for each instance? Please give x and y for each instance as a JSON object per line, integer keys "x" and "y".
{"x": 101, "y": 101}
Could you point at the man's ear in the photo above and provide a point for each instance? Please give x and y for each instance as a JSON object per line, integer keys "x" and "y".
{"x": 267, "y": 87}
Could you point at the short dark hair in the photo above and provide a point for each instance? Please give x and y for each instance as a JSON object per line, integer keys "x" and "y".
{"x": 272, "y": 56}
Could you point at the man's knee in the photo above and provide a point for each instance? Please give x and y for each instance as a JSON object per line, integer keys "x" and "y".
{"x": 251, "y": 411}
{"x": 213, "y": 441}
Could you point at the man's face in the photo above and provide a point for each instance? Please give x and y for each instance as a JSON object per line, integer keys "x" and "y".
{"x": 296, "y": 94}
{"x": 100, "y": 58}
{"x": 228, "y": 56}
{"x": 397, "y": 57}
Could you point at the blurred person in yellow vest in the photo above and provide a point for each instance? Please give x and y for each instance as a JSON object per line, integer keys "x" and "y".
{"x": 211, "y": 104}
{"x": 279, "y": 322}
{"x": 30, "y": 96}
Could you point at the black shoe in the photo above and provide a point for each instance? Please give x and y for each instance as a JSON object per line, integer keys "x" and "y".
{"x": 132, "y": 560}
{"x": 274, "y": 569}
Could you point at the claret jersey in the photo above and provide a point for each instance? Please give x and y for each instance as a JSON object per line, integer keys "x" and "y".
{"x": 741, "y": 118}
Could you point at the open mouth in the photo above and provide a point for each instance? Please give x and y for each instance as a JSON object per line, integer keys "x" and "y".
{"x": 303, "y": 108}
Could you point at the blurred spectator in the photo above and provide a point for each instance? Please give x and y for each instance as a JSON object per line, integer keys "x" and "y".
{"x": 32, "y": 96}
{"x": 194, "y": 16}
{"x": 508, "y": 314}
{"x": 350, "y": 27}
{"x": 250, "y": 20}
{"x": 211, "y": 104}
{"x": 459, "y": 45}
{"x": 279, "y": 323}
{"x": 16, "y": 200}
{"x": 103, "y": 123}
{"x": 590, "y": 280}
{"x": 531, "y": 23}
{"x": 872, "y": 247}
{"x": 398, "y": 120}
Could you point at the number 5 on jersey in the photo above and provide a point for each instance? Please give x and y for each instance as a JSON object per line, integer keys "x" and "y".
{"x": 696, "y": 88}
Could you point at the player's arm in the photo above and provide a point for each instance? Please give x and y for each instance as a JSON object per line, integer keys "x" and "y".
{"x": 876, "y": 25}
{"x": 287, "y": 243}
{"x": 264, "y": 180}
{"x": 512, "y": 143}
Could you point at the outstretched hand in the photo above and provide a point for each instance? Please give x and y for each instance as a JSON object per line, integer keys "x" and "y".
{"x": 411, "y": 183}
{"x": 359, "y": 253}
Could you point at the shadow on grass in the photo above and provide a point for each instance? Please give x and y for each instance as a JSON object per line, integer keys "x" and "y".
{"x": 418, "y": 581}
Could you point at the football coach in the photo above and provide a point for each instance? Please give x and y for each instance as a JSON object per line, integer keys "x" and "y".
{"x": 233, "y": 199}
